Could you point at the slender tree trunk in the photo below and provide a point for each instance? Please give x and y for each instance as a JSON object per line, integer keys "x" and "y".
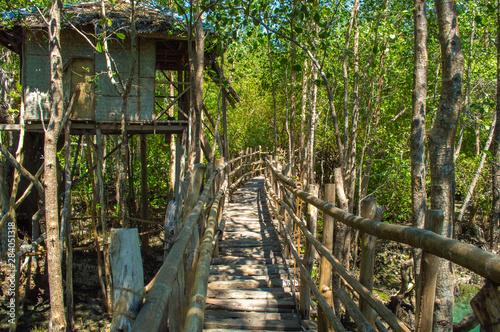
{"x": 293, "y": 106}
{"x": 274, "y": 92}
{"x": 495, "y": 169}
{"x": 345, "y": 75}
{"x": 473, "y": 183}
{"x": 197, "y": 58}
{"x": 418, "y": 131}
{"x": 467, "y": 92}
{"x": 311, "y": 130}
{"x": 351, "y": 159}
{"x": 302, "y": 152}
{"x": 171, "y": 180}
{"x": 54, "y": 255}
{"x": 441, "y": 150}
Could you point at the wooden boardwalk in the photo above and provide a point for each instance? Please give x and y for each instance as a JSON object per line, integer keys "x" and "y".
{"x": 247, "y": 285}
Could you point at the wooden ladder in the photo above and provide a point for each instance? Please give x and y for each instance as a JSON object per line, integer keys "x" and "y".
{"x": 248, "y": 285}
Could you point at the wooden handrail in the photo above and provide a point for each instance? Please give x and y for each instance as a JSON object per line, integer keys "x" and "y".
{"x": 195, "y": 313}
{"x": 151, "y": 316}
{"x": 334, "y": 320}
{"x": 477, "y": 260}
{"x": 381, "y": 309}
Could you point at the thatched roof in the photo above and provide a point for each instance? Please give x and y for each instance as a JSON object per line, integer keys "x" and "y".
{"x": 148, "y": 18}
{"x": 87, "y": 16}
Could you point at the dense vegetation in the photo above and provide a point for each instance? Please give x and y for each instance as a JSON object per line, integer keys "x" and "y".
{"x": 328, "y": 84}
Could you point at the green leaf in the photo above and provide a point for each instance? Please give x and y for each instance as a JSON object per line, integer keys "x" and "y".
{"x": 100, "y": 46}
{"x": 110, "y": 23}
{"x": 120, "y": 35}
{"x": 488, "y": 153}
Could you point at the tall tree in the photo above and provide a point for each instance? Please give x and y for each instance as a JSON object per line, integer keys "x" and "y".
{"x": 418, "y": 132}
{"x": 441, "y": 149}
{"x": 54, "y": 253}
{"x": 495, "y": 169}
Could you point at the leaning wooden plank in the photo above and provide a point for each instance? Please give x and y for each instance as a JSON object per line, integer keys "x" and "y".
{"x": 128, "y": 277}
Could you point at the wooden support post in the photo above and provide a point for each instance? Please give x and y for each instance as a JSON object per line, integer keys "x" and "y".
{"x": 486, "y": 306}
{"x": 219, "y": 180}
{"x": 180, "y": 160}
{"x": 144, "y": 193}
{"x": 325, "y": 276}
{"x": 428, "y": 275}
{"x": 304, "y": 287}
{"x": 210, "y": 169}
{"x": 93, "y": 218}
{"x": 104, "y": 225}
{"x": 369, "y": 210}
{"x": 288, "y": 221}
{"x": 128, "y": 277}
{"x": 66, "y": 233}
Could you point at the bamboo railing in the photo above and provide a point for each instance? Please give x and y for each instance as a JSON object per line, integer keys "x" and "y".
{"x": 282, "y": 191}
{"x": 154, "y": 314}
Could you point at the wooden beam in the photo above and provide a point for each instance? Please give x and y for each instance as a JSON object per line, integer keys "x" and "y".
{"x": 161, "y": 127}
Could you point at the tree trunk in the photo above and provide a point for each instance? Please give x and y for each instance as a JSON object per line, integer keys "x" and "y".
{"x": 302, "y": 152}
{"x": 418, "y": 131}
{"x": 495, "y": 169}
{"x": 197, "y": 58}
{"x": 441, "y": 150}
{"x": 274, "y": 91}
{"x": 54, "y": 255}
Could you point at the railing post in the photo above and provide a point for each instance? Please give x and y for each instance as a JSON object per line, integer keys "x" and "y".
{"x": 426, "y": 287}
{"x": 325, "y": 276}
{"x": 210, "y": 169}
{"x": 288, "y": 222}
{"x": 305, "y": 289}
{"x": 369, "y": 210}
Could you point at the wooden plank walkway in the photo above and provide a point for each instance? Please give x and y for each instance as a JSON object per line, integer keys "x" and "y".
{"x": 246, "y": 289}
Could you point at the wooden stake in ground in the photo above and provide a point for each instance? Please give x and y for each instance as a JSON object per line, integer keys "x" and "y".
{"x": 128, "y": 277}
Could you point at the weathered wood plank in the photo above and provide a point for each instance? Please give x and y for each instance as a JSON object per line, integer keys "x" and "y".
{"x": 253, "y": 283}
{"x": 252, "y": 324}
{"x": 257, "y": 293}
{"x": 258, "y": 305}
{"x": 214, "y": 314}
